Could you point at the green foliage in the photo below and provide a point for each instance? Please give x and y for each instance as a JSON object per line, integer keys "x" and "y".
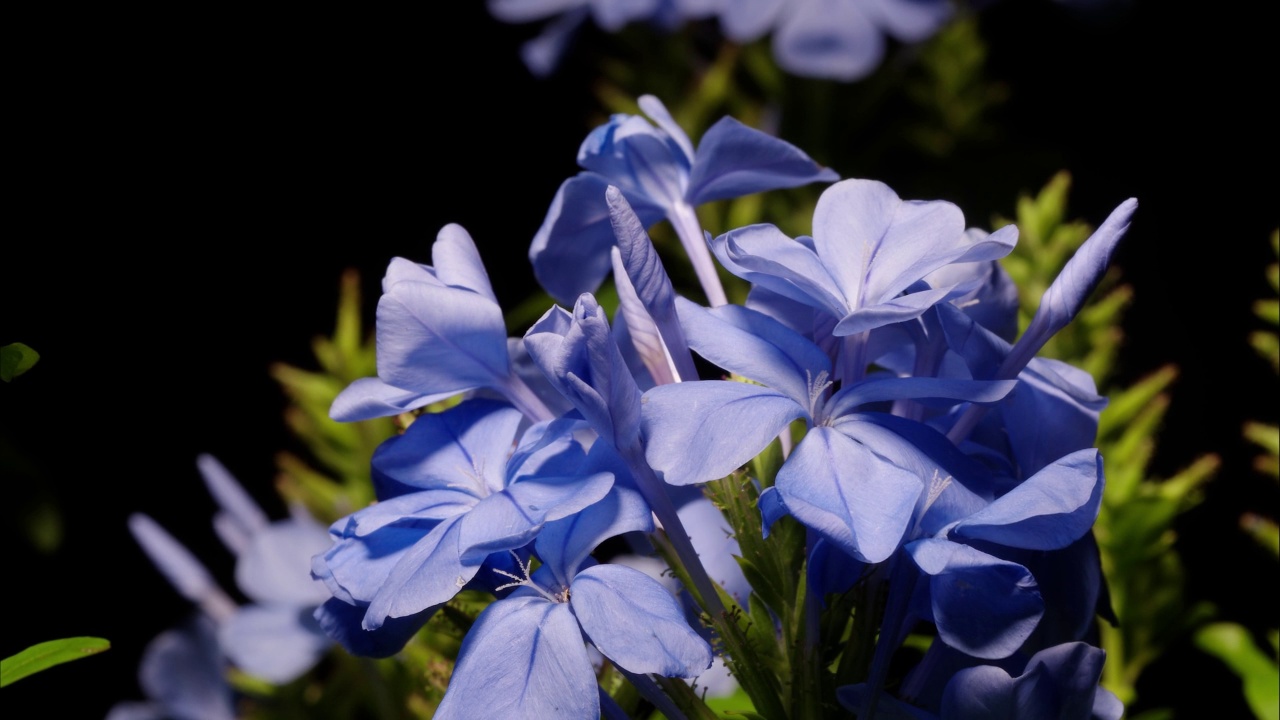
{"x": 15, "y": 359}
{"x": 45, "y": 655}
{"x": 343, "y": 450}
{"x": 949, "y": 88}
{"x": 1256, "y": 667}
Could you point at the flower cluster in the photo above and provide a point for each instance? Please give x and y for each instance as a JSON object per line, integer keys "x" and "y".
{"x": 829, "y": 39}
{"x": 933, "y": 465}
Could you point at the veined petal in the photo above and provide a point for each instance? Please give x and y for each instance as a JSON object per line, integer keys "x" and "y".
{"x": 898, "y": 309}
{"x": 464, "y": 448}
{"x": 439, "y": 339}
{"x": 564, "y": 544}
{"x": 764, "y": 256}
{"x": 429, "y": 573}
{"x": 982, "y": 605}
{"x": 1068, "y": 292}
{"x": 355, "y": 568}
{"x": 511, "y": 519}
{"x": 458, "y": 264}
{"x": 371, "y": 398}
{"x": 880, "y": 389}
{"x": 523, "y": 658}
{"x": 1047, "y": 511}
{"x": 757, "y": 347}
{"x": 636, "y": 623}
{"x": 648, "y": 279}
{"x": 735, "y": 160}
{"x": 653, "y": 107}
{"x": 641, "y": 160}
{"x": 704, "y": 430}
{"x": 853, "y": 497}
{"x": 877, "y": 245}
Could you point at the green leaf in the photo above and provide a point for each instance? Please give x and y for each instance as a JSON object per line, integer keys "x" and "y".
{"x": 1231, "y": 644}
{"x": 16, "y": 359}
{"x": 45, "y": 655}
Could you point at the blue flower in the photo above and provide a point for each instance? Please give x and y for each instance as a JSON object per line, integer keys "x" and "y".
{"x": 832, "y": 39}
{"x": 274, "y": 636}
{"x": 440, "y": 332}
{"x": 183, "y": 676}
{"x": 525, "y": 654}
{"x": 661, "y": 176}
{"x": 452, "y": 493}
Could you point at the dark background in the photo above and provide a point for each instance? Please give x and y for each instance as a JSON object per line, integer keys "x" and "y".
{"x": 189, "y": 187}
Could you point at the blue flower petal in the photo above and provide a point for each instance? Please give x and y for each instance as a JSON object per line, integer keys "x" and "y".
{"x": 700, "y": 431}
{"x": 523, "y": 658}
{"x": 735, "y": 160}
{"x": 853, "y": 497}
{"x": 636, "y": 623}
{"x": 277, "y": 643}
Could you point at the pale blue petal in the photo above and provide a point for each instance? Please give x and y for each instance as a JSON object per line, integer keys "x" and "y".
{"x": 636, "y": 623}
{"x": 239, "y": 517}
{"x": 758, "y": 348}
{"x": 700, "y": 431}
{"x": 439, "y": 339}
{"x": 182, "y": 670}
{"x": 844, "y": 491}
{"x": 1068, "y": 292}
{"x": 542, "y": 54}
{"x": 276, "y": 567}
{"x": 464, "y": 448}
{"x": 746, "y": 20}
{"x": 565, "y": 544}
{"x": 277, "y": 643}
{"x": 429, "y": 573}
{"x": 179, "y": 566}
{"x": 829, "y": 39}
{"x": 371, "y": 398}
{"x": 1047, "y": 511}
{"x": 644, "y": 162}
{"x": 887, "y": 312}
{"x": 880, "y": 389}
{"x": 735, "y": 160}
{"x": 910, "y": 20}
{"x": 418, "y": 509}
{"x": 355, "y": 569}
{"x": 877, "y": 245}
{"x": 653, "y": 107}
{"x": 523, "y": 659}
{"x": 649, "y": 280}
{"x": 523, "y": 11}
{"x": 511, "y": 519}
{"x": 764, "y": 256}
{"x": 458, "y": 264}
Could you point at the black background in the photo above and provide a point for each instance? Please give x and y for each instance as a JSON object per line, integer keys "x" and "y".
{"x": 187, "y": 186}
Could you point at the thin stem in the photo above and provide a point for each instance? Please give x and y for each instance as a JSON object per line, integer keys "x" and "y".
{"x": 685, "y": 221}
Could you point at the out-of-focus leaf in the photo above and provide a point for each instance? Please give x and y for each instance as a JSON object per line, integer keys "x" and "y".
{"x": 45, "y": 655}
{"x": 15, "y": 359}
{"x": 1231, "y": 644}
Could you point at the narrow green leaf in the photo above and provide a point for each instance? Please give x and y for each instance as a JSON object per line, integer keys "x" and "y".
{"x": 15, "y": 359}
{"x": 45, "y": 655}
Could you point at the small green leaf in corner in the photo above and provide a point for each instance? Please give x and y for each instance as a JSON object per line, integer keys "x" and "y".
{"x": 45, "y": 655}
{"x": 15, "y": 359}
